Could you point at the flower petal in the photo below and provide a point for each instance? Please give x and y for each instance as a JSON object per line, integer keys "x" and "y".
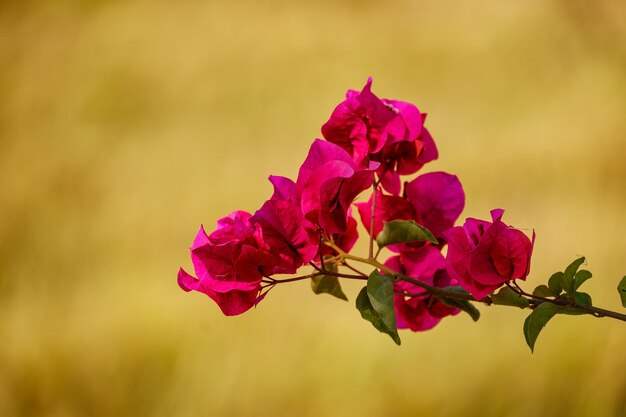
{"x": 438, "y": 199}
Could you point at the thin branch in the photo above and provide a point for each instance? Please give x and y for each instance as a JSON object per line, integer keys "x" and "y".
{"x": 317, "y": 268}
{"x": 320, "y": 254}
{"x": 594, "y": 311}
{"x": 300, "y": 278}
{"x": 348, "y": 276}
{"x": 533, "y": 300}
{"x": 414, "y": 295}
{"x": 353, "y": 268}
{"x": 316, "y": 274}
{"x": 600, "y": 312}
{"x": 401, "y": 277}
{"x": 372, "y": 217}
{"x": 521, "y": 292}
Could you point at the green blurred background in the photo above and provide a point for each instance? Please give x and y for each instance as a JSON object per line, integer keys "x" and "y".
{"x": 126, "y": 124}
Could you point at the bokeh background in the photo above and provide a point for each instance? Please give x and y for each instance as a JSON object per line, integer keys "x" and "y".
{"x": 126, "y": 124}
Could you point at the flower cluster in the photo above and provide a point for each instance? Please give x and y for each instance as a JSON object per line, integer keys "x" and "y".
{"x": 370, "y": 144}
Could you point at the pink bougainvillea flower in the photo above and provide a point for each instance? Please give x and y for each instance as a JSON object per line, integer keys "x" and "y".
{"x": 390, "y": 132}
{"x": 422, "y": 312}
{"x": 362, "y": 124}
{"x": 284, "y": 228}
{"x": 483, "y": 256}
{"x": 232, "y": 259}
{"x": 393, "y": 157}
{"x": 429, "y": 152}
{"x": 410, "y": 120}
{"x": 231, "y": 303}
{"x": 328, "y": 182}
{"x": 345, "y": 240}
{"x": 401, "y": 155}
{"x": 284, "y": 189}
{"x": 299, "y": 233}
{"x": 434, "y": 200}
{"x": 438, "y": 199}
{"x": 388, "y": 207}
{"x": 404, "y": 158}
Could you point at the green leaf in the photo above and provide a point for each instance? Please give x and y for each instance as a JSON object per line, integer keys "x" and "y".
{"x": 543, "y": 291}
{"x": 567, "y": 283}
{"x": 567, "y": 279}
{"x": 580, "y": 277}
{"x": 508, "y": 297}
{"x": 327, "y": 284}
{"x": 554, "y": 283}
{"x": 536, "y": 321}
{"x": 581, "y": 298}
{"x": 402, "y": 231}
{"x": 368, "y": 312}
{"x": 464, "y": 305}
{"x": 621, "y": 288}
{"x": 571, "y": 269}
{"x": 380, "y": 293}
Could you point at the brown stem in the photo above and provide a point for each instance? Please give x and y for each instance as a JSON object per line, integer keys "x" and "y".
{"x": 594, "y": 311}
{"x": 600, "y": 312}
{"x": 532, "y": 299}
{"x": 372, "y": 217}
{"x": 317, "y": 268}
{"x": 353, "y": 269}
{"x": 274, "y": 281}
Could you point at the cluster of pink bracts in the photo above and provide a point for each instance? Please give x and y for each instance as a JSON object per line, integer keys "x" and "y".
{"x": 370, "y": 143}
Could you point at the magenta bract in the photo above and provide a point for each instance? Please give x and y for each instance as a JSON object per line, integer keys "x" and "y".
{"x": 233, "y": 258}
{"x": 362, "y": 123}
{"x": 283, "y": 230}
{"x": 231, "y": 303}
{"x": 483, "y": 256}
{"x": 420, "y": 313}
{"x": 370, "y": 143}
{"x": 438, "y": 199}
{"x": 388, "y": 207}
{"x": 328, "y": 182}
{"x": 434, "y": 200}
{"x": 390, "y": 132}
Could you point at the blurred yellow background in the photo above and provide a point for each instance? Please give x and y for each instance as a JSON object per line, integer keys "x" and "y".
{"x": 126, "y": 124}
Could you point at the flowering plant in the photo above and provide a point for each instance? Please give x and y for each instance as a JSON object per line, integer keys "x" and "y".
{"x": 436, "y": 269}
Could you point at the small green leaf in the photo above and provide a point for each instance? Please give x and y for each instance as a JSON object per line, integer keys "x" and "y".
{"x": 327, "y": 284}
{"x": 402, "y": 231}
{"x": 554, "y": 283}
{"x": 580, "y": 277}
{"x": 581, "y": 298}
{"x": 543, "y": 291}
{"x": 508, "y": 297}
{"x": 621, "y": 288}
{"x": 536, "y": 321}
{"x": 571, "y": 269}
{"x": 567, "y": 283}
{"x": 567, "y": 279}
{"x": 464, "y": 305}
{"x": 367, "y": 311}
{"x": 380, "y": 293}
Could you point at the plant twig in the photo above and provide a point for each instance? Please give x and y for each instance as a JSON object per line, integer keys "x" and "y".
{"x": 372, "y": 217}
{"x": 593, "y": 311}
{"x": 533, "y": 300}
